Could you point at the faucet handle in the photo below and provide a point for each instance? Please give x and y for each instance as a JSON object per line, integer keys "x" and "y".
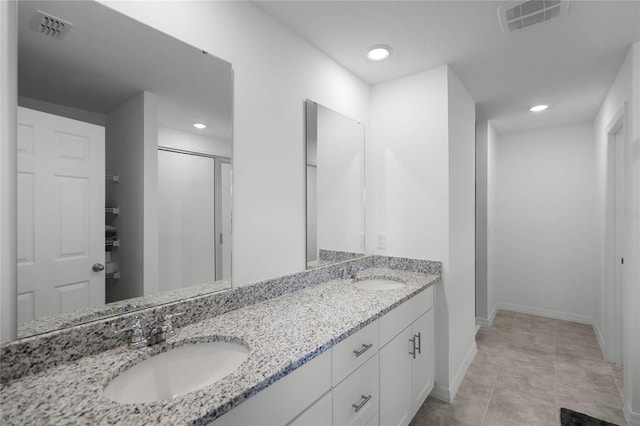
{"x": 167, "y": 324}
{"x": 138, "y": 338}
{"x": 354, "y": 271}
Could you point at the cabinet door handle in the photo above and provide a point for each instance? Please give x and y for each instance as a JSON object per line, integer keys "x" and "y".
{"x": 365, "y": 399}
{"x": 363, "y": 350}
{"x": 419, "y": 348}
{"x": 413, "y": 343}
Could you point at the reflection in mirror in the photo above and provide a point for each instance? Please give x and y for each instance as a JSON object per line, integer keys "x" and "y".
{"x": 122, "y": 202}
{"x": 335, "y": 186}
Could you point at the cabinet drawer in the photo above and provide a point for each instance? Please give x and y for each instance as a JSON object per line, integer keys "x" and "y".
{"x": 402, "y": 316}
{"x": 285, "y": 399}
{"x": 354, "y": 351}
{"x": 358, "y": 392}
{"x": 319, "y": 414}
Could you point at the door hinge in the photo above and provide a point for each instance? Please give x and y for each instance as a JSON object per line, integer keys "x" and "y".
{"x": 221, "y": 238}
{"x": 622, "y": 260}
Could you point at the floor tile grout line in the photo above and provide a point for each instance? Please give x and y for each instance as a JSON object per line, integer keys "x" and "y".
{"x": 486, "y": 410}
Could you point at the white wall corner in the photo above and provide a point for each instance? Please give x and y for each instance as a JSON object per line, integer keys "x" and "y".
{"x": 632, "y": 417}
{"x": 448, "y": 394}
{"x": 583, "y": 319}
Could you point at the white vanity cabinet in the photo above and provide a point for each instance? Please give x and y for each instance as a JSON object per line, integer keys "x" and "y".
{"x": 371, "y": 378}
{"x": 319, "y": 414}
{"x": 406, "y": 359}
{"x": 286, "y": 399}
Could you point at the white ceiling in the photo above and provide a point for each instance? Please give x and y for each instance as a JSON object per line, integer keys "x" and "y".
{"x": 107, "y": 58}
{"x": 568, "y": 62}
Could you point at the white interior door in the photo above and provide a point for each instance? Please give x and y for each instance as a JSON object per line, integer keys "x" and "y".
{"x": 61, "y": 186}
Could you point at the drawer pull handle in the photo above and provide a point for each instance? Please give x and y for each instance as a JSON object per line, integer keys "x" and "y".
{"x": 413, "y": 344}
{"x": 363, "y": 350}
{"x": 419, "y": 337}
{"x": 365, "y": 399}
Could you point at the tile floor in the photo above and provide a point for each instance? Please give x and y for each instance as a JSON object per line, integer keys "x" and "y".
{"x": 527, "y": 367}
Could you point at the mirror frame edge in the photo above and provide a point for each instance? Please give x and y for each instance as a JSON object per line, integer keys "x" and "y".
{"x": 8, "y": 177}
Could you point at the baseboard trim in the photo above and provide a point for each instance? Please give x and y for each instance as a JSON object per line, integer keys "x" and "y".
{"x": 441, "y": 393}
{"x": 601, "y": 343}
{"x": 583, "y": 319}
{"x": 493, "y": 313}
{"x": 632, "y": 418}
{"x": 482, "y": 322}
{"x": 448, "y": 394}
{"x": 486, "y": 322}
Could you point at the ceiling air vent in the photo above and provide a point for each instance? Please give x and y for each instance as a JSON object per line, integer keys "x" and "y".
{"x": 51, "y": 26}
{"x": 516, "y": 15}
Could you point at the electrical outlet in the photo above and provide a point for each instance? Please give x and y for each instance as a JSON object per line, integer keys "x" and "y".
{"x": 382, "y": 241}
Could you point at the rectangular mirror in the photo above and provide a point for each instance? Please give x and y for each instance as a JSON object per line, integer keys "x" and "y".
{"x": 122, "y": 203}
{"x": 335, "y": 186}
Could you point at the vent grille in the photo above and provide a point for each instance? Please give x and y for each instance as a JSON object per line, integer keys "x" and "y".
{"x": 51, "y": 26}
{"x": 518, "y": 15}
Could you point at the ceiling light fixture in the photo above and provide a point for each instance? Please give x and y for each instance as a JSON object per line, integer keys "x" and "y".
{"x": 200, "y": 126}
{"x": 538, "y": 108}
{"x": 378, "y": 52}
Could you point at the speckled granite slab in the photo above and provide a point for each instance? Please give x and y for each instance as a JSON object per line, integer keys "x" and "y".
{"x": 38, "y": 353}
{"x": 282, "y": 334}
{"x": 333, "y": 256}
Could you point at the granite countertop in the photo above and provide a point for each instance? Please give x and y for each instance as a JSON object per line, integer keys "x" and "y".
{"x": 282, "y": 334}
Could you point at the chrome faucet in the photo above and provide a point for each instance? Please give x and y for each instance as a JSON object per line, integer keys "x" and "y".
{"x": 354, "y": 271}
{"x": 158, "y": 332}
{"x": 347, "y": 273}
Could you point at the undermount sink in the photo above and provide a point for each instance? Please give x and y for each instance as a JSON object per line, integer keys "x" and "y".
{"x": 378, "y": 284}
{"x": 177, "y": 371}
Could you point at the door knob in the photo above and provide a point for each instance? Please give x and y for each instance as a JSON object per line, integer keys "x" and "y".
{"x": 97, "y": 267}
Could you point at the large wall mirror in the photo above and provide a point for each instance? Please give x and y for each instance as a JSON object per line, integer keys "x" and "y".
{"x": 122, "y": 202}
{"x": 335, "y": 186}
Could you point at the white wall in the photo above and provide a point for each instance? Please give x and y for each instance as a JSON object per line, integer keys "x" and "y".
{"x": 421, "y": 125}
{"x": 482, "y": 304}
{"x": 459, "y": 291}
{"x": 545, "y": 250}
{"x": 625, "y": 89}
{"x": 492, "y": 142}
{"x": 486, "y": 139}
{"x": 131, "y": 153}
{"x": 274, "y": 72}
{"x": 409, "y": 139}
{"x": 177, "y": 139}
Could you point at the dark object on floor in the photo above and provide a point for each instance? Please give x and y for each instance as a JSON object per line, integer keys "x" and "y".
{"x": 573, "y": 418}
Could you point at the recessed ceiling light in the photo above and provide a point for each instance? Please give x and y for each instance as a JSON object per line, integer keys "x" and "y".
{"x": 200, "y": 126}
{"x": 379, "y": 52}
{"x": 538, "y": 108}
